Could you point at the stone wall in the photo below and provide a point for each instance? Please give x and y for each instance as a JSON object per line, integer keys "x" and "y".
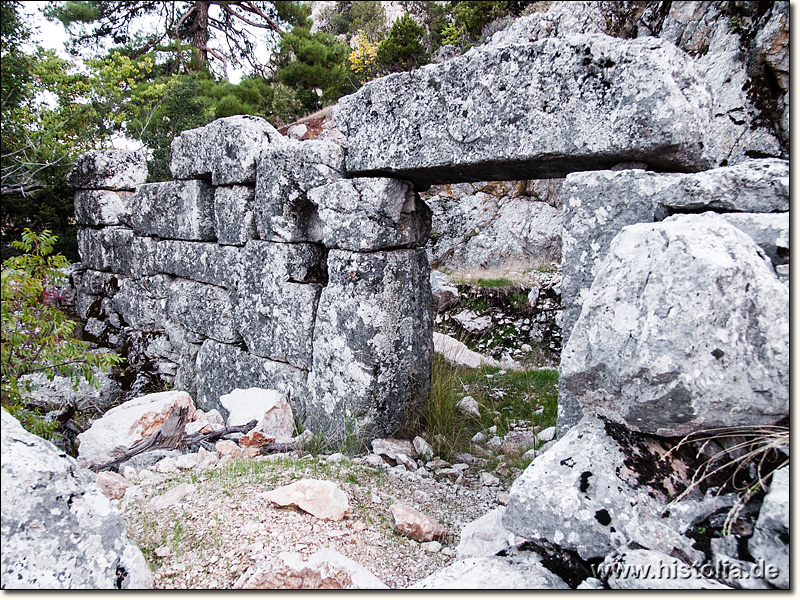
{"x": 261, "y": 265}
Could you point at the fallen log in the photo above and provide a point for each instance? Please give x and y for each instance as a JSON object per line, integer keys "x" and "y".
{"x": 171, "y": 436}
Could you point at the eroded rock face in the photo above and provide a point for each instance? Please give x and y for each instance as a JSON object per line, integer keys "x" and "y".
{"x": 588, "y": 102}
{"x": 58, "y": 529}
{"x": 224, "y": 150}
{"x": 686, "y": 328}
{"x": 372, "y": 340}
{"x": 593, "y": 492}
{"x": 109, "y": 170}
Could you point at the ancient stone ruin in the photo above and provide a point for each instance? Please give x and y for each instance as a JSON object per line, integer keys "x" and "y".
{"x": 261, "y": 265}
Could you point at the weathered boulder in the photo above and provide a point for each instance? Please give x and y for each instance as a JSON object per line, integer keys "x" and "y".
{"x": 126, "y": 424}
{"x": 366, "y": 214}
{"x": 598, "y": 488}
{"x": 60, "y": 391}
{"x": 587, "y": 102}
{"x": 391, "y": 449}
{"x": 276, "y": 298}
{"x": 641, "y": 355}
{"x": 98, "y": 208}
{"x": 770, "y": 541}
{"x": 182, "y": 210}
{"x": 112, "y": 484}
{"x": 58, "y": 529}
{"x": 109, "y": 170}
{"x": 492, "y": 573}
{"x": 269, "y": 407}
{"x": 444, "y": 294}
{"x": 225, "y": 150}
{"x": 234, "y": 218}
{"x": 221, "y": 368}
{"x": 325, "y": 569}
{"x": 486, "y": 536}
{"x": 411, "y": 523}
{"x": 204, "y": 309}
{"x": 286, "y": 173}
{"x": 459, "y": 354}
{"x": 769, "y": 230}
{"x": 372, "y": 341}
{"x": 323, "y": 499}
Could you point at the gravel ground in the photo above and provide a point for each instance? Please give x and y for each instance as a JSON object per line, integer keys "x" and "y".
{"x": 223, "y": 527}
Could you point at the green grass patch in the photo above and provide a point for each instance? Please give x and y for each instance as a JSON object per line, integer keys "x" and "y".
{"x": 499, "y": 282}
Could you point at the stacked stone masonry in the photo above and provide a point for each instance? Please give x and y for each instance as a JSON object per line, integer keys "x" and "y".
{"x": 260, "y": 265}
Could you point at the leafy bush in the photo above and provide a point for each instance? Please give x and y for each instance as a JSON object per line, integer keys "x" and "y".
{"x": 36, "y": 336}
{"x": 403, "y": 49}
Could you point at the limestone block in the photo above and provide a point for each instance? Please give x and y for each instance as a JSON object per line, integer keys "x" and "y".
{"x": 142, "y": 302}
{"x": 650, "y": 567}
{"x": 486, "y": 536}
{"x": 107, "y": 249}
{"x": 276, "y": 299}
{"x": 205, "y": 262}
{"x": 109, "y": 170}
{"x": 768, "y": 230}
{"x": 269, "y": 407}
{"x": 770, "y": 541}
{"x": 182, "y": 210}
{"x": 234, "y": 219}
{"x": 225, "y": 150}
{"x": 58, "y": 529}
{"x": 411, "y": 523}
{"x": 686, "y": 327}
{"x": 531, "y": 111}
{"x": 203, "y": 309}
{"x": 101, "y": 207}
{"x": 372, "y": 341}
{"x": 222, "y": 368}
{"x": 286, "y": 173}
{"x": 366, "y": 214}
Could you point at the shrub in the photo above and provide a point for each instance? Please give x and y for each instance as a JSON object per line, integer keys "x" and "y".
{"x": 36, "y": 336}
{"x": 402, "y": 50}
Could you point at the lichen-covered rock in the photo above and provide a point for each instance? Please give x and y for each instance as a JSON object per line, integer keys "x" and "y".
{"x": 234, "y": 219}
{"x": 686, "y": 327}
{"x": 286, "y": 173}
{"x": 372, "y": 341}
{"x": 524, "y": 572}
{"x": 768, "y": 230}
{"x": 276, "y": 299}
{"x": 366, "y": 214}
{"x": 127, "y": 424}
{"x": 109, "y": 170}
{"x": 142, "y": 302}
{"x": 58, "y": 529}
{"x": 445, "y": 295}
{"x": 269, "y": 407}
{"x": 577, "y": 103}
{"x": 486, "y": 536}
{"x": 225, "y": 150}
{"x": 593, "y": 492}
{"x": 643, "y": 569}
{"x": 205, "y": 262}
{"x": 770, "y": 541}
{"x": 107, "y": 249}
{"x": 101, "y": 207}
{"x": 60, "y": 391}
{"x": 204, "y": 309}
{"x": 181, "y": 210}
{"x": 221, "y": 368}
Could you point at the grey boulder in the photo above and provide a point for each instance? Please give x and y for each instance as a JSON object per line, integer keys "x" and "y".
{"x": 59, "y": 531}
{"x": 770, "y": 541}
{"x": 492, "y": 573}
{"x": 686, "y": 327}
{"x": 577, "y": 103}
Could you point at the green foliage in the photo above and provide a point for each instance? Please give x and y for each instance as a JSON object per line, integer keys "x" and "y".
{"x": 403, "y": 48}
{"x": 36, "y": 336}
{"x": 367, "y": 16}
{"x": 470, "y": 16}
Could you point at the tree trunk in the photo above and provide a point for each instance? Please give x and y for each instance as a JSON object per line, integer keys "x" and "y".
{"x": 200, "y": 30}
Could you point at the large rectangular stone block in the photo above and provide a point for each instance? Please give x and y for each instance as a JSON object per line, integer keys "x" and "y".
{"x": 203, "y": 309}
{"x": 372, "y": 342}
{"x": 371, "y": 213}
{"x": 109, "y": 170}
{"x": 276, "y": 299}
{"x": 224, "y": 151}
{"x": 181, "y": 210}
{"x": 118, "y": 250}
{"x": 101, "y": 207}
{"x": 234, "y": 219}
{"x": 222, "y": 368}
{"x": 200, "y": 261}
{"x": 531, "y": 111}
